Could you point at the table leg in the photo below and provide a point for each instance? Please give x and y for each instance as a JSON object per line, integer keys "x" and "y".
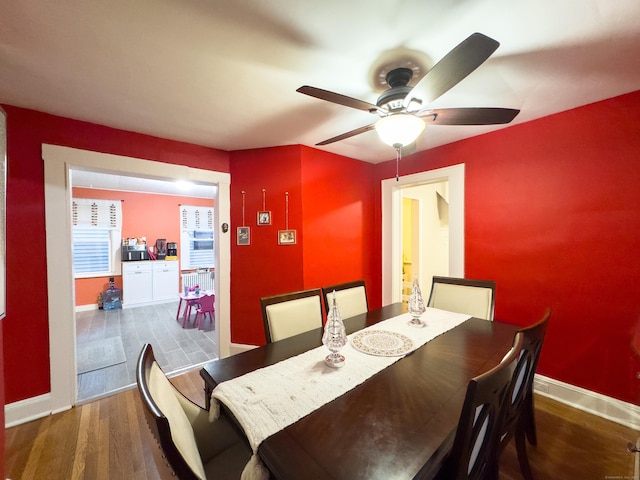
{"x": 207, "y": 396}
{"x": 178, "y": 312}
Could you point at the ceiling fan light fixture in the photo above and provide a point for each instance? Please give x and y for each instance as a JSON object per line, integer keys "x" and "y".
{"x": 399, "y": 129}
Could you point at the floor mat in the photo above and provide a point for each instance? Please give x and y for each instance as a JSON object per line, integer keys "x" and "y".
{"x": 100, "y": 354}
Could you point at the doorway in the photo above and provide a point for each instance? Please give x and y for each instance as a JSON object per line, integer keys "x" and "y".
{"x": 425, "y": 235}
{"x": 58, "y": 161}
{"x": 109, "y": 340}
{"x": 392, "y": 227}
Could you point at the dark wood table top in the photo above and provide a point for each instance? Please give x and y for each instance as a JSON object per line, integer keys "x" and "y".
{"x": 387, "y": 427}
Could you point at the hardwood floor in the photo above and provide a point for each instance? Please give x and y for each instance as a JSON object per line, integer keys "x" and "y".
{"x": 109, "y": 439}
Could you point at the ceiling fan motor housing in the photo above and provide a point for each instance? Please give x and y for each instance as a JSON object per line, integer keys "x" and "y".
{"x": 398, "y": 80}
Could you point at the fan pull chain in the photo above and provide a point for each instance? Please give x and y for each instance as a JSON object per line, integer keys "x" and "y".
{"x": 398, "y": 157}
{"x": 264, "y": 199}
{"x": 286, "y": 210}
{"x": 243, "y": 195}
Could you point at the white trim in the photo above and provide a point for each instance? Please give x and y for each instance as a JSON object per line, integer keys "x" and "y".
{"x": 86, "y": 308}
{"x": 624, "y": 413}
{"x": 27, "y": 410}
{"x": 392, "y": 231}
{"x": 58, "y": 161}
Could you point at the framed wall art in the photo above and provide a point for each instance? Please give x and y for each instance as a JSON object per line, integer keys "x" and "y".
{"x": 244, "y": 236}
{"x": 264, "y": 218}
{"x": 286, "y": 237}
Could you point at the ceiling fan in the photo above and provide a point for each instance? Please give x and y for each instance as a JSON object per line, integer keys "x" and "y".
{"x": 403, "y": 110}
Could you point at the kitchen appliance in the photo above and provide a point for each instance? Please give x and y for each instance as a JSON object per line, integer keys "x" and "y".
{"x": 161, "y": 248}
{"x": 172, "y": 249}
{"x": 131, "y": 253}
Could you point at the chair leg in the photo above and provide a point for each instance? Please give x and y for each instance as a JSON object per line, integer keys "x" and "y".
{"x": 187, "y": 314}
{"x": 530, "y": 420}
{"x": 523, "y": 459}
{"x": 202, "y": 316}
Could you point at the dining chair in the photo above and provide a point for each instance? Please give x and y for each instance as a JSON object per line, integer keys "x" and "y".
{"x": 206, "y": 306}
{"x": 351, "y": 298}
{"x": 472, "y": 452}
{"x": 193, "y": 447}
{"x": 462, "y": 295}
{"x": 291, "y": 314}
{"x": 519, "y": 420}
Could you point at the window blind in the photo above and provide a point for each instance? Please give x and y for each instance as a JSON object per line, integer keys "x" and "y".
{"x": 97, "y": 227}
{"x": 196, "y": 237}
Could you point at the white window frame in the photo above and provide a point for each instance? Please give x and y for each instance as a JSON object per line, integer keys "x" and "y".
{"x": 103, "y": 215}
{"x": 195, "y": 219}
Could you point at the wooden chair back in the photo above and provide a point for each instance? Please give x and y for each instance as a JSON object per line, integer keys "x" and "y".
{"x": 474, "y": 451}
{"x": 157, "y": 421}
{"x": 351, "y": 298}
{"x": 518, "y": 415}
{"x": 463, "y": 295}
{"x": 291, "y": 314}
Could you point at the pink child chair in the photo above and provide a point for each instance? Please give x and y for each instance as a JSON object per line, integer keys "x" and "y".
{"x": 206, "y": 306}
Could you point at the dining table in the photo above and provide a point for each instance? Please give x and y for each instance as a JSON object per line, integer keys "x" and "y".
{"x": 399, "y": 423}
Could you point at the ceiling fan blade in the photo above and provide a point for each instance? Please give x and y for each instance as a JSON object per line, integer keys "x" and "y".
{"x": 338, "y": 98}
{"x": 470, "y": 116}
{"x": 452, "y": 68}
{"x": 352, "y": 133}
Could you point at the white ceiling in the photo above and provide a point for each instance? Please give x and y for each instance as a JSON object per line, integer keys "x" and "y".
{"x": 224, "y": 73}
{"x": 106, "y": 181}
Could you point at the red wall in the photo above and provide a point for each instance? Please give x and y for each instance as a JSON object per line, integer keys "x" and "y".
{"x": 263, "y": 268}
{"x": 552, "y": 213}
{"x": 339, "y": 218}
{"x": 143, "y": 215}
{"x": 26, "y": 330}
{"x": 330, "y": 206}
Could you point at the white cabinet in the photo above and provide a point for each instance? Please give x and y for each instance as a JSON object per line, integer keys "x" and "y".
{"x": 165, "y": 280}
{"x": 148, "y": 282}
{"x": 137, "y": 284}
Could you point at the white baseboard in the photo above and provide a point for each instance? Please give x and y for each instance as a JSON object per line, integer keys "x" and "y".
{"x": 86, "y": 308}
{"x": 27, "y": 410}
{"x": 612, "y": 409}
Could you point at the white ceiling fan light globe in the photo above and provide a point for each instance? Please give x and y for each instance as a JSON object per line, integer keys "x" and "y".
{"x": 399, "y": 129}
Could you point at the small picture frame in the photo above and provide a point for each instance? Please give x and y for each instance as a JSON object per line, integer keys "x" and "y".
{"x": 264, "y": 218}
{"x": 244, "y": 236}
{"x": 286, "y": 237}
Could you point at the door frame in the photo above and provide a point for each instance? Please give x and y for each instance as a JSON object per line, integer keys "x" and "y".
{"x": 58, "y": 161}
{"x": 392, "y": 225}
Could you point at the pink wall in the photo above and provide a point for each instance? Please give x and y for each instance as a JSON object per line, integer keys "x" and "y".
{"x": 26, "y": 336}
{"x": 552, "y": 213}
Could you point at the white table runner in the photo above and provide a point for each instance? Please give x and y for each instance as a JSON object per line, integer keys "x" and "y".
{"x": 270, "y": 399}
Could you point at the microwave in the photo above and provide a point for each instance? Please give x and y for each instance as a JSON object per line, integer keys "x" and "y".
{"x": 134, "y": 253}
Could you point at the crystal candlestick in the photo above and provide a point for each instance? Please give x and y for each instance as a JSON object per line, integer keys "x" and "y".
{"x": 335, "y": 336}
{"x": 416, "y": 305}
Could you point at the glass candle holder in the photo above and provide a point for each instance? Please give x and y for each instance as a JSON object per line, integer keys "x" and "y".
{"x": 334, "y": 336}
{"x": 416, "y": 305}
